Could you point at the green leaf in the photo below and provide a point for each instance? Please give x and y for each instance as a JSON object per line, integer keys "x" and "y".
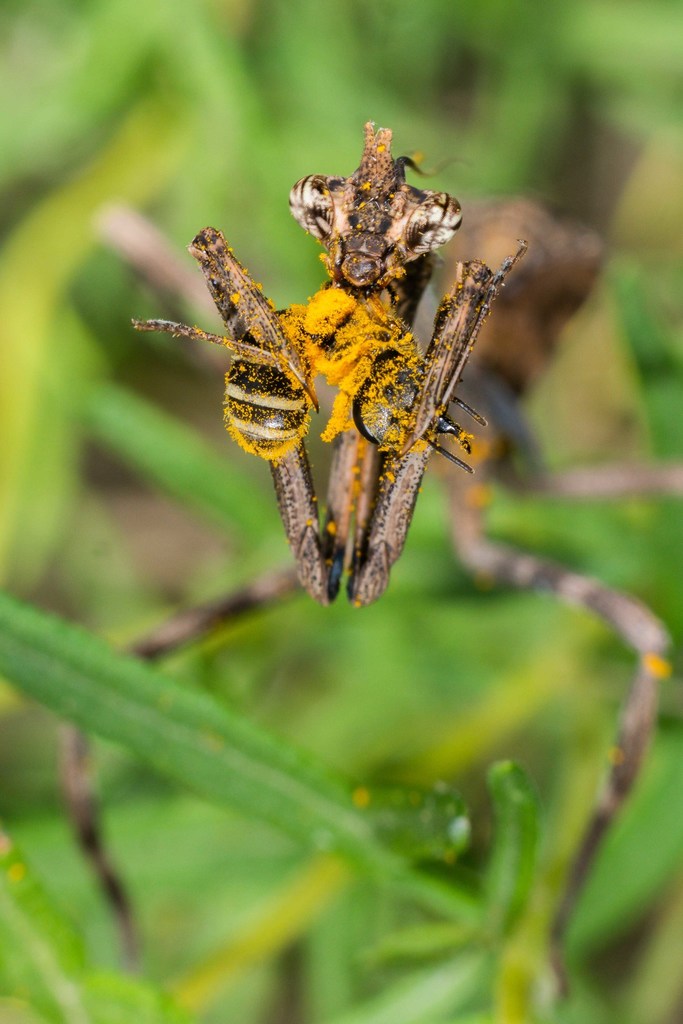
{"x": 423, "y": 995}
{"x": 432, "y": 940}
{"x": 512, "y": 864}
{"x": 171, "y": 455}
{"x": 114, "y": 999}
{"x": 183, "y": 734}
{"x": 194, "y": 740}
{"x": 58, "y": 234}
{"x": 40, "y": 954}
{"x": 42, "y": 960}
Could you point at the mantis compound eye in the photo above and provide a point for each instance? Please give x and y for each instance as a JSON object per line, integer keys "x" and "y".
{"x": 311, "y": 205}
{"x": 433, "y": 224}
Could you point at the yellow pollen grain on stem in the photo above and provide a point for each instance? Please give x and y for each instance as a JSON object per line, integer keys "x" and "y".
{"x": 381, "y": 148}
{"x": 16, "y": 872}
{"x": 235, "y": 297}
{"x": 478, "y": 496}
{"x": 361, "y": 797}
{"x": 658, "y": 666}
{"x": 366, "y": 186}
{"x": 331, "y": 528}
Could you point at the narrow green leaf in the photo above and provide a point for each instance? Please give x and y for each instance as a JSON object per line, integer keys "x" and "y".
{"x": 423, "y": 995}
{"x": 171, "y": 455}
{"x": 182, "y": 733}
{"x": 36, "y": 266}
{"x": 40, "y": 954}
{"x": 42, "y": 960}
{"x": 115, "y": 999}
{"x": 432, "y": 940}
{"x": 512, "y": 865}
{"x": 201, "y": 744}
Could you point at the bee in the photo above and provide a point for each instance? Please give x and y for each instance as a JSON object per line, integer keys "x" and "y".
{"x": 392, "y": 402}
{"x": 268, "y": 396}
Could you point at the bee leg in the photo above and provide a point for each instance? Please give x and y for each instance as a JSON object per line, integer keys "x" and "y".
{"x": 298, "y": 507}
{"x": 178, "y": 330}
{"x": 476, "y": 416}
{"x": 387, "y": 526}
{"x": 638, "y": 628}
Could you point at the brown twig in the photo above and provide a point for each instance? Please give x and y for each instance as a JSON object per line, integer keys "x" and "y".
{"x": 635, "y": 624}
{"x": 638, "y": 718}
{"x": 192, "y": 624}
{"x": 83, "y": 811}
{"x": 156, "y": 262}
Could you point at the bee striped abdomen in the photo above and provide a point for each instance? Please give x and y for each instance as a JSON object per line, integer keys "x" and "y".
{"x": 265, "y": 411}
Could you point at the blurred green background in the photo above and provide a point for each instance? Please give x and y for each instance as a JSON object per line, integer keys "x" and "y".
{"x": 121, "y": 497}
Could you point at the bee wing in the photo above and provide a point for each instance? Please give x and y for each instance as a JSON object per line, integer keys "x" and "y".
{"x": 457, "y": 324}
{"x": 243, "y": 307}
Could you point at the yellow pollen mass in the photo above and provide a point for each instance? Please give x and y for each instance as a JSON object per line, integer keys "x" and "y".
{"x": 658, "y": 666}
{"x": 366, "y": 186}
{"x": 235, "y": 297}
{"x": 327, "y": 310}
{"x": 16, "y": 872}
{"x": 339, "y": 337}
{"x": 361, "y": 797}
